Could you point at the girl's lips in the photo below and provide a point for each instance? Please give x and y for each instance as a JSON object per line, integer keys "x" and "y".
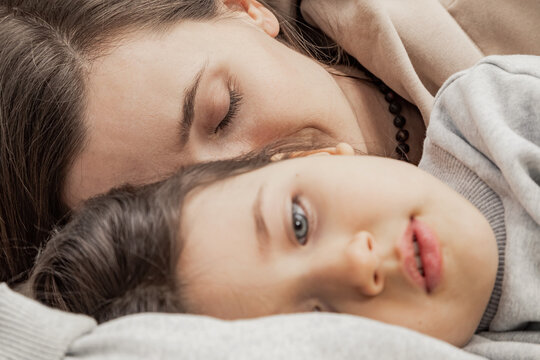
{"x": 430, "y": 254}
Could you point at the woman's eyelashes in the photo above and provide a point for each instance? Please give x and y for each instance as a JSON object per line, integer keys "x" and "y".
{"x": 300, "y": 222}
{"x": 235, "y": 99}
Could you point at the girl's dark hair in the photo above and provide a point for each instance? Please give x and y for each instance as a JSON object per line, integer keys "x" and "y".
{"x": 116, "y": 257}
{"x": 119, "y": 254}
{"x": 46, "y": 48}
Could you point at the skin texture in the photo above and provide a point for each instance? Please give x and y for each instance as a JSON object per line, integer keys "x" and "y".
{"x": 136, "y": 93}
{"x": 357, "y": 209}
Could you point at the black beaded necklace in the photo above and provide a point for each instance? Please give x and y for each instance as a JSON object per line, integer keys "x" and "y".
{"x": 393, "y": 99}
{"x": 394, "y": 106}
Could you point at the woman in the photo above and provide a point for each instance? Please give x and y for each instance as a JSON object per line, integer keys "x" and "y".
{"x": 105, "y": 92}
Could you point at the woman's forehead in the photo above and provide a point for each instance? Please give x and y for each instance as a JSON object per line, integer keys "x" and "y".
{"x": 214, "y": 207}
{"x": 133, "y": 105}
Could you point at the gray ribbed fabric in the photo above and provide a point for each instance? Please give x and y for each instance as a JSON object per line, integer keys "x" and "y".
{"x": 466, "y": 182}
{"x": 31, "y": 331}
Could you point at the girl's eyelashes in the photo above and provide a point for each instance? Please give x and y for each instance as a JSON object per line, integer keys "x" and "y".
{"x": 300, "y": 222}
{"x": 234, "y": 106}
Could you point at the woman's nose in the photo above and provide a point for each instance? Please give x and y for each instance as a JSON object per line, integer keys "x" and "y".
{"x": 363, "y": 264}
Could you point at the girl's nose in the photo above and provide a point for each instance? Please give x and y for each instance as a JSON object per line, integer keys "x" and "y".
{"x": 363, "y": 264}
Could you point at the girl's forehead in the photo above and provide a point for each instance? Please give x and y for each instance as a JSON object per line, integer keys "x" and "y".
{"x": 230, "y": 195}
{"x": 274, "y": 174}
{"x": 235, "y": 194}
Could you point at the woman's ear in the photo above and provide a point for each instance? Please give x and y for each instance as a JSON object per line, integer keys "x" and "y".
{"x": 339, "y": 149}
{"x": 259, "y": 14}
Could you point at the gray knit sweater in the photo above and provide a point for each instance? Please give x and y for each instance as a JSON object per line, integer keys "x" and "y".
{"x": 483, "y": 141}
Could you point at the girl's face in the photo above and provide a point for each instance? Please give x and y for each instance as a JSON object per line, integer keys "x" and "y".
{"x": 203, "y": 90}
{"x": 338, "y": 234}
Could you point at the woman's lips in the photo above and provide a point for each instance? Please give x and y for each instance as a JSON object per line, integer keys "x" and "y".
{"x": 429, "y": 253}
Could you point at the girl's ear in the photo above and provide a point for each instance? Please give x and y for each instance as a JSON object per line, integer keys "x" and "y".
{"x": 339, "y": 149}
{"x": 259, "y": 14}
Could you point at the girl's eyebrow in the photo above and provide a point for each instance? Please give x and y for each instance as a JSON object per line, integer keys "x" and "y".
{"x": 188, "y": 107}
{"x": 261, "y": 228}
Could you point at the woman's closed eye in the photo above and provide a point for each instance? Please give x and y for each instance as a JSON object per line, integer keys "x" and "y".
{"x": 235, "y": 99}
{"x": 300, "y": 223}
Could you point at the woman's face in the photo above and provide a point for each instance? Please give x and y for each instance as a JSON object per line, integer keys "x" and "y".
{"x": 203, "y": 90}
{"x": 338, "y": 234}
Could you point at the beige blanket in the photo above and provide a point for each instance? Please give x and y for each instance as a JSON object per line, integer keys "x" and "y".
{"x": 415, "y": 45}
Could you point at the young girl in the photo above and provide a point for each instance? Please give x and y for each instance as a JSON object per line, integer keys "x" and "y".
{"x": 447, "y": 256}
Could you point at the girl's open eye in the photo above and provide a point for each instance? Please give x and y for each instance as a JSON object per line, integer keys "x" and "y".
{"x": 300, "y": 223}
{"x": 234, "y": 105}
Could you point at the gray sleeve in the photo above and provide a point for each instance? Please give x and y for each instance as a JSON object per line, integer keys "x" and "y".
{"x": 495, "y": 106}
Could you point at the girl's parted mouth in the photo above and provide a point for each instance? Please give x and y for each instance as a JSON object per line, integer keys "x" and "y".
{"x": 421, "y": 255}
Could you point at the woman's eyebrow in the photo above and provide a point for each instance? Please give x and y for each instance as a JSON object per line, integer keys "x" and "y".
{"x": 261, "y": 229}
{"x": 188, "y": 107}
